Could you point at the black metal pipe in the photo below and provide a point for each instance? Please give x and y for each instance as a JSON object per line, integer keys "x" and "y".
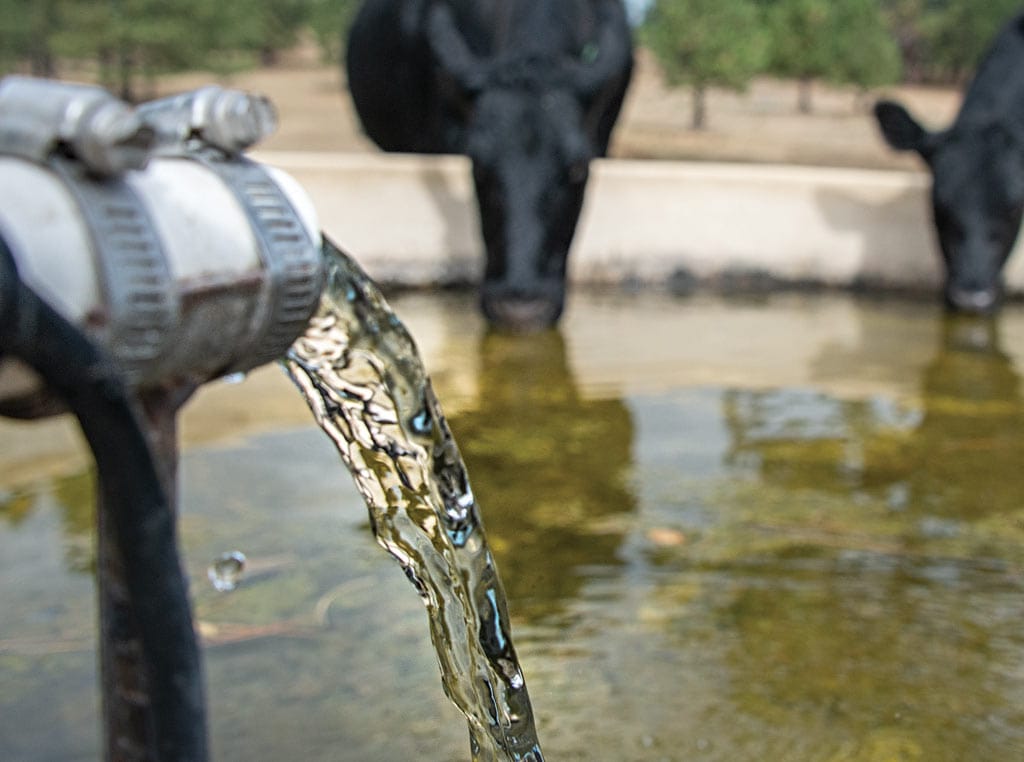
{"x": 135, "y": 501}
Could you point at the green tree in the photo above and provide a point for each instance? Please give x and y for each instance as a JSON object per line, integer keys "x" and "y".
{"x": 266, "y": 27}
{"x": 903, "y": 18}
{"x": 865, "y": 50}
{"x": 330, "y": 21}
{"x": 26, "y": 31}
{"x": 134, "y": 40}
{"x": 706, "y": 43}
{"x": 958, "y": 32}
{"x": 139, "y": 39}
{"x": 845, "y": 42}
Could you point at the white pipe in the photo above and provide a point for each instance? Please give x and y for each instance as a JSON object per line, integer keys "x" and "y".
{"x": 222, "y": 287}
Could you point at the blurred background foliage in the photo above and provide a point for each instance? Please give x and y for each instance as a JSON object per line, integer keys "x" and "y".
{"x": 132, "y": 41}
{"x": 699, "y": 43}
{"x": 865, "y": 43}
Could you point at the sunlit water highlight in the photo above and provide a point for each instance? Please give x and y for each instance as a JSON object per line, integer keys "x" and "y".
{"x": 359, "y": 371}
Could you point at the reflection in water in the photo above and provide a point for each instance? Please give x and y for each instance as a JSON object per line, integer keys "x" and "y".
{"x": 953, "y": 459}
{"x": 15, "y": 507}
{"x": 968, "y": 446}
{"x": 551, "y": 467}
{"x": 871, "y": 617}
{"x": 74, "y": 495}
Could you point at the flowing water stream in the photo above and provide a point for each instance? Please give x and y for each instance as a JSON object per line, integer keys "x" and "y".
{"x": 359, "y": 371}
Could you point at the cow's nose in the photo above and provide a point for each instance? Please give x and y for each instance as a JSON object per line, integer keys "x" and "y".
{"x": 521, "y": 315}
{"x": 972, "y": 300}
{"x": 522, "y": 309}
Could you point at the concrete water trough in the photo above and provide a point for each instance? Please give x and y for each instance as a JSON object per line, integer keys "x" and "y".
{"x": 411, "y": 220}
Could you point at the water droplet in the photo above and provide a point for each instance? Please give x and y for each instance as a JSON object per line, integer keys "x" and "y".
{"x": 226, "y": 571}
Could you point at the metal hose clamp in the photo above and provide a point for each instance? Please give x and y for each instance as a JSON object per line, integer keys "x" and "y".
{"x": 228, "y": 120}
{"x": 140, "y": 301}
{"x": 39, "y": 118}
{"x": 291, "y": 257}
{"x": 188, "y": 262}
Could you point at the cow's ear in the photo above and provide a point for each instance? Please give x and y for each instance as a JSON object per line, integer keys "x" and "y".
{"x": 900, "y": 129}
{"x": 452, "y": 51}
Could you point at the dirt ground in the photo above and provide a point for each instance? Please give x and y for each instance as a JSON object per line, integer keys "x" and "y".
{"x": 759, "y": 125}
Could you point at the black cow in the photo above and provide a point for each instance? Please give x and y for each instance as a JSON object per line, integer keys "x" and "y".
{"x": 978, "y": 172}
{"x": 529, "y": 90}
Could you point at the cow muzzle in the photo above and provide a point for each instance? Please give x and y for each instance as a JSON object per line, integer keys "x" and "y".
{"x": 523, "y": 309}
{"x": 978, "y": 301}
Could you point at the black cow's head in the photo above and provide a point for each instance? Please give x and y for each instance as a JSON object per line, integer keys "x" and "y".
{"x": 530, "y": 131}
{"x": 977, "y": 198}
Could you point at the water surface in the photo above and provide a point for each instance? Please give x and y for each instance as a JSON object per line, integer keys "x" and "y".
{"x": 784, "y": 529}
